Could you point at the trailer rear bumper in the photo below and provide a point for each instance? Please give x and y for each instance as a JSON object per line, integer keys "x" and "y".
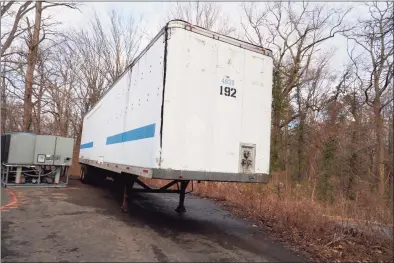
{"x": 169, "y": 174}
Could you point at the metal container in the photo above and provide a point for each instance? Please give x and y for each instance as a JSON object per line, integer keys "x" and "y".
{"x": 194, "y": 105}
{"x": 18, "y": 148}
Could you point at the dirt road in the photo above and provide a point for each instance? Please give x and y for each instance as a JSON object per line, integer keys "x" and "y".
{"x": 84, "y": 223}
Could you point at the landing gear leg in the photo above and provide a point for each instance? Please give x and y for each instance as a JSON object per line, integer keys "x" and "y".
{"x": 125, "y": 203}
{"x": 181, "y": 207}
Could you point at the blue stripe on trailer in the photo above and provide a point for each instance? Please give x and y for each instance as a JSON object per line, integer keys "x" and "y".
{"x": 86, "y": 145}
{"x": 133, "y": 135}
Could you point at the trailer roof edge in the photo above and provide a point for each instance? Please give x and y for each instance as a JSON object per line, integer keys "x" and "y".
{"x": 178, "y": 23}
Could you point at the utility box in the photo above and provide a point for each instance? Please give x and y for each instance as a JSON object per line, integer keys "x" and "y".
{"x": 28, "y": 159}
{"x": 53, "y": 150}
{"x": 64, "y": 149}
{"x": 17, "y": 148}
{"x": 44, "y": 153}
{"x": 30, "y": 149}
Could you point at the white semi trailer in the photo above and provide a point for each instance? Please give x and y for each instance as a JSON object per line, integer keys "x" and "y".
{"x": 193, "y": 106}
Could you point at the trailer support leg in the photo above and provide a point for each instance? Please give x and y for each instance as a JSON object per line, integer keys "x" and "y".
{"x": 123, "y": 208}
{"x": 125, "y": 203}
{"x": 181, "y": 207}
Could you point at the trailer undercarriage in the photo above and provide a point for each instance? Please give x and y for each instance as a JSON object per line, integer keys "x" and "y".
{"x": 129, "y": 181}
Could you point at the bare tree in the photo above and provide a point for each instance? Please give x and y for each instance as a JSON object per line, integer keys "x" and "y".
{"x": 16, "y": 27}
{"x": 34, "y": 40}
{"x": 90, "y": 61}
{"x": 294, "y": 31}
{"x": 3, "y": 102}
{"x": 205, "y": 14}
{"x": 120, "y": 45}
{"x": 84, "y": 59}
{"x": 100, "y": 59}
{"x": 374, "y": 68}
{"x": 38, "y": 93}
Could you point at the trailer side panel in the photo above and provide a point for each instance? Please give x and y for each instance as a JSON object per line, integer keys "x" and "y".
{"x": 194, "y": 105}
{"x": 124, "y": 127}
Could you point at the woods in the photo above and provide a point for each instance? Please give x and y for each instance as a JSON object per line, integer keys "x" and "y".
{"x": 332, "y": 125}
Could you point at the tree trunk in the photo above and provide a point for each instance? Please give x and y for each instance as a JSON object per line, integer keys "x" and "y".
{"x": 287, "y": 162}
{"x": 275, "y": 139}
{"x": 391, "y": 157}
{"x": 379, "y": 149}
{"x": 301, "y": 149}
{"x": 276, "y": 118}
{"x": 66, "y": 119}
{"x": 38, "y": 116}
{"x": 3, "y": 104}
{"x": 301, "y": 140}
{"x": 31, "y": 63}
{"x": 75, "y": 165}
{"x": 354, "y": 156}
{"x": 39, "y": 99}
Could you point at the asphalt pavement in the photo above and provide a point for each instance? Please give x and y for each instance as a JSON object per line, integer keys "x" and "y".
{"x": 84, "y": 223}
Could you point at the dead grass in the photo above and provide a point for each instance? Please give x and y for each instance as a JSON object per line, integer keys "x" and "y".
{"x": 317, "y": 231}
{"x": 306, "y": 225}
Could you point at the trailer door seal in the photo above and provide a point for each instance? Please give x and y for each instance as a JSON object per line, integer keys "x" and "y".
{"x": 164, "y": 85}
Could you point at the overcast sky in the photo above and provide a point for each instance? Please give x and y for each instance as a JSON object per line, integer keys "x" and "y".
{"x": 154, "y": 13}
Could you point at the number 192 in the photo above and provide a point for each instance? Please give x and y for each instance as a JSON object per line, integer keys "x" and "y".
{"x": 228, "y": 92}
